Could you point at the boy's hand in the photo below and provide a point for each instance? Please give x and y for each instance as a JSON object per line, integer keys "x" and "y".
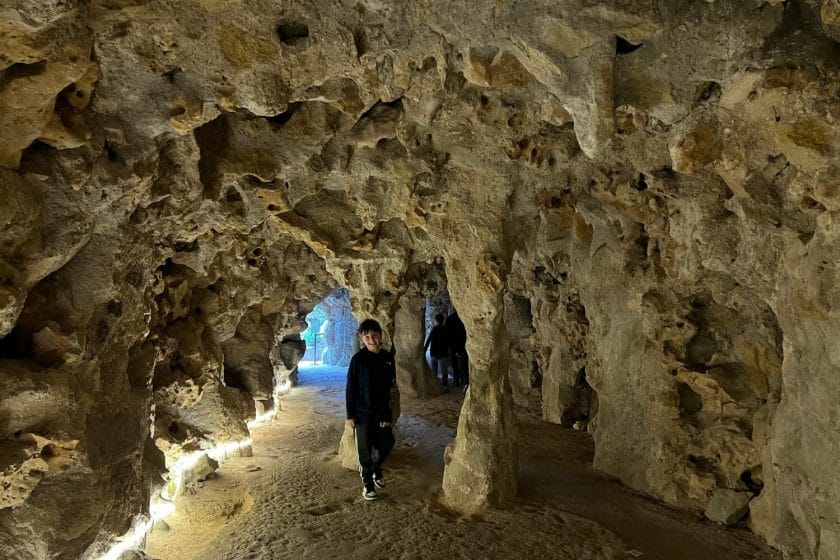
{"x": 351, "y": 422}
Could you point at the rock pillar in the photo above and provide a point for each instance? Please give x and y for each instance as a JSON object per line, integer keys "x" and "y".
{"x": 481, "y": 463}
{"x": 414, "y": 376}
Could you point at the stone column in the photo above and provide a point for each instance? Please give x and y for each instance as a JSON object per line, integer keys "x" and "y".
{"x": 247, "y": 361}
{"x": 414, "y": 376}
{"x": 287, "y": 355}
{"x": 481, "y": 463}
{"x": 798, "y": 430}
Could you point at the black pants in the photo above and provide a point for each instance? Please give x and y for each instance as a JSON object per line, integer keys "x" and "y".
{"x": 460, "y": 367}
{"x": 374, "y": 444}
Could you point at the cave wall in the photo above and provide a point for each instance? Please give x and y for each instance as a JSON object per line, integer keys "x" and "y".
{"x": 634, "y": 203}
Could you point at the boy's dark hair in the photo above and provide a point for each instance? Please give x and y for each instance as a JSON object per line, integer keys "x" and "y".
{"x": 439, "y": 317}
{"x": 369, "y": 325}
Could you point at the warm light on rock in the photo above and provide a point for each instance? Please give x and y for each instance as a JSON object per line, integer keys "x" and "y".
{"x": 632, "y": 206}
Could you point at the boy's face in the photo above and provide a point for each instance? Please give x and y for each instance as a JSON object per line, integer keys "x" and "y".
{"x": 372, "y": 340}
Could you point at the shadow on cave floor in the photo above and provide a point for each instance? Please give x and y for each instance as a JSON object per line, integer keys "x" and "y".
{"x": 293, "y": 499}
{"x": 555, "y": 468}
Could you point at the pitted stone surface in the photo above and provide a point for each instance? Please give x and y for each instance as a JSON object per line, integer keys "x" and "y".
{"x": 633, "y": 205}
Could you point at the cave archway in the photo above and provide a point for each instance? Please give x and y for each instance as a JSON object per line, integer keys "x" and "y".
{"x": 330, "y": 334}
{"x": 450, "y": 363}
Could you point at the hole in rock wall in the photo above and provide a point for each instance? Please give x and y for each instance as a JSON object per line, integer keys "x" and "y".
{"x": 277, "y": 121}
{"x": 170, "y": 75}
{"x": 111, "y": 153}
{"x": 114, "y": 307}
{"x": 752, "y": 480}
{"x": 640, "y": 184}
{"x": 186, "y": 246}
{"x": 20, "y": 70}
{"x": 16, "y": 345}
{"x": 233, "y": 203}
{"x": 707, "y": 92}
{"x": 446, "y": 340}
{"x": 236, "y": 378}
{"x": 690, "y": 402}
{"x": 536, "y": 375}
{"x": 702, "y": 465}
{"x": 809, "y": 203}
{"x": 623, "y": 46}
{"x": 48, "y": 451}
{"x": 293, "y": 33}
{"x": 330, "y": 336}
{"x": 360, "y": 41}
{"x": 213, "y": 140}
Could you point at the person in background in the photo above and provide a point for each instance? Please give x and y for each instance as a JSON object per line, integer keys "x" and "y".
{"x": 439, "y": 343}
{"x": 456, "y": 334}
{"x": 371, "y": 394}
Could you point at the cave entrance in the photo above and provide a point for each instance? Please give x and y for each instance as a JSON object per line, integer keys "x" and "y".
{"x": 451, "y": 368}
{"x": 330, "y": 337}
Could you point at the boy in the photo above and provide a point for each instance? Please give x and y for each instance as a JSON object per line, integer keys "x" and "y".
{"x": 371, "y": 389}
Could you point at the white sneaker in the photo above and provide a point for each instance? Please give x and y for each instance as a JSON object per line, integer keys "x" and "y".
{"x": 369, "y": 493}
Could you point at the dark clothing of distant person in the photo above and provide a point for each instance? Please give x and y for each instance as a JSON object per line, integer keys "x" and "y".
{"x": 438, "y": 345}
{"x": 456, "y": 334}
{"x": 439, "y": 342}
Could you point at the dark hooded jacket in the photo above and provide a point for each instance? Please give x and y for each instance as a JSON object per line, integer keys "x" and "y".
{"x": 371, "y": 386}
{"x": 456, "y": 333}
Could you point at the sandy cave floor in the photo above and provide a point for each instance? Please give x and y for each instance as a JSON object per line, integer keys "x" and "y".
{"x": 292, "y": 499}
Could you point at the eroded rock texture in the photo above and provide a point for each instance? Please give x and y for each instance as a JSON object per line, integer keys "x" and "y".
{"x": 634, "y": 204}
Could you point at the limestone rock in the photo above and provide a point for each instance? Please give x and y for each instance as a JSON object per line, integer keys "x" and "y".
{"x": 12, "y": 301}
{"x": 18, "y": 223}
{"x": 697, "y": 148}
{"x": 50, "y": 348}
{"x": 348, "y": 456}
{"x": 631, "y": 206}
{"x": 136, "y": 554}
{"x": 201, "y": 469}
{"x": 27, "y": 461}
{"x": 728, "y": 506}
{"x": 247, "y": 365}
{"x": 414, "y": 376}
{"x": 288, "y": 353}
{"x": 37, "y": 78}
{"x": 826, "y": 13}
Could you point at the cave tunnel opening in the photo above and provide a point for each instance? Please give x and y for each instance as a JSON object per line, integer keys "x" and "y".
{"x": 445, "y": 342}
{"x": 330, "y": 338}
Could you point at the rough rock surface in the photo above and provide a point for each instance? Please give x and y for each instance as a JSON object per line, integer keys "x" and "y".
{"x": 414, "y": 376}
{"x": 728, "y": 506}
{"x": 634, "y": 204}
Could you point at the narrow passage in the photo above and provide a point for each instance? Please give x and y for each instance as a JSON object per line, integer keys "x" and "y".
{"x": 293, "y": 500}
